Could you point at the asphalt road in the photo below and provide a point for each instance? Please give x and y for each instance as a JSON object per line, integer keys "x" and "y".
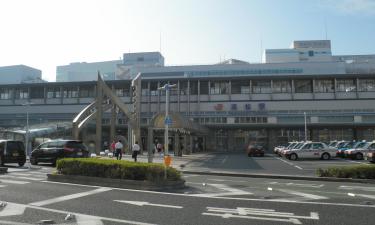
{"x": 208, "y": 200}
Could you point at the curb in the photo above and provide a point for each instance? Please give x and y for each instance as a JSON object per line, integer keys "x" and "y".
{"x": 275, "y": 176}
{"x": 117, "y": 183}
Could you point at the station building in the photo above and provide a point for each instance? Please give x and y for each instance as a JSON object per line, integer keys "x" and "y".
{"x": 239, "y": 102}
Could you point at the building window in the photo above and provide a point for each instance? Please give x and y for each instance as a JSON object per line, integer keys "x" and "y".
{"x": 311, "y": 53}
{"x": 37, "y": 93}
{"x": 204, "y": 87}
{"x": 5, "y": 93}
{"x": 144, "y": 88}
{"x": 262, "y": 86}
{"x": 303, "y": 86}
{"x": 22, "y": 93}
{"x": 194, "y": 87}
{"x": 346, "y": 85}
{"x": 70, "y": 92}
{"x": 281, "y": 86}
{"x": 366, "y": 84}
{"x": 86, "y": 92}
{"x": 154, "y": 88}
{"x": 250, "y": 120}
{"x": 240, "y": 87}
{"x": 183, "y": 87}
{"x": 219, "y": 87}
{"x": 53, "y": 92}
{"x": 324, "y": 86}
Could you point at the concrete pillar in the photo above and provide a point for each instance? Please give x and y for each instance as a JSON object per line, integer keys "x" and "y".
{"x": 190, "y": 148}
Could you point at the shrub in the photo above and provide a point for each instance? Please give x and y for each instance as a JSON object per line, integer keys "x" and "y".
{"x": 356, "y": 171}
{"x": 116, "y": 169}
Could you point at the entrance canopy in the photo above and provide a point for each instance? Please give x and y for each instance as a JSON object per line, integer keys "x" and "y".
{"x": 178, "y": 123}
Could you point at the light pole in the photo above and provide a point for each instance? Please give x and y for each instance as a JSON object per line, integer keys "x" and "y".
{"x": 304, "y": 114}
{"x": 27, "y": 104}
{"x": 167, "y": 121}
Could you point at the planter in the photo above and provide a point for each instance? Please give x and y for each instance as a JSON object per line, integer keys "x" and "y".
{"x": 117, "y": 183}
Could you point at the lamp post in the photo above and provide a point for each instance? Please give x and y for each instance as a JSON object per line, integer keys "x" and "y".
{"x": 167, "y": 88}
{"x": 167, "y": 121}
{"x": 27, "y": 104}
{"x": 304, "y": 114}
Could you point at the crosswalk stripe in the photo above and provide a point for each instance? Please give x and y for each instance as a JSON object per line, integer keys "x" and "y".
{"x": 2, "y": 186}
{"x": 13, "y": 181}
{"x": 28, "y": 174}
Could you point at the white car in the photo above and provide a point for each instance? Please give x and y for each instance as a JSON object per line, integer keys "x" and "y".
{"x": 359, "y": 152}
{"x": 311, "y": 150}
{"x": 278, "y": 149}
{"x": 294, "y": 146}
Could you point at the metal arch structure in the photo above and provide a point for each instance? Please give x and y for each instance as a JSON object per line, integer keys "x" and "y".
{"x": 106, "y": 99}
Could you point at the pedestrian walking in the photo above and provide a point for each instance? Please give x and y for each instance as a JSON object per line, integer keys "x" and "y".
{"x": 135, "y": 150}
{"x": 118, "y": 151}
{"x": 113, "y": 146}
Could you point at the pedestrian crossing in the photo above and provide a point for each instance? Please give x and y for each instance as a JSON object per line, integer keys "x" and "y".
{"x": 22, "y": 178}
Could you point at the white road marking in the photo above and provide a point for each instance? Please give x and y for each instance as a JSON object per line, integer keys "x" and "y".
{"x": 302, "y": 194}
{"x": 12, "y": 210}
{"x": 70, "y": 197}
{"x": 362, "y": 195}
{"x": 298, "y": 167}
{"x": 297, "y": 184}
{"x": 1, "y": 186}
{"x": 28, "y": 174}
{"x": 84, "y": 215}
{"x": 225, "y": 180}
{"x": 192, "y": 175}
{"x": 88, "y": 220}
{"x": 362, "y": 188}
{"x": 258, "y": 214}
{"x": 229, "y": 191}
{"x": 13, "y": 181}
{"x": 23, "y": 178}
{"x": 226, "y": 198}
{"x": 150, "y": 204}
{"x": 225, "y": 159}
{"x": 5, "y": 222}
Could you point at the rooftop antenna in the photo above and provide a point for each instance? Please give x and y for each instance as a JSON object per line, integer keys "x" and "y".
{"x": 325, "y": 28}
{"x": 261, "y": 49}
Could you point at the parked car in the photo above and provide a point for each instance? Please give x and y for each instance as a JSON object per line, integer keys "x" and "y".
{"x": 50, "y": 151}
{"x": 371, "y": 156}
{"x": 278, "y": 149}
{"x": 317, "y": 150}
{"x": 255, "y": 150}
{"x": 12, "y": 152}
{"x": 294, "y": 146}
{"x": 359, "y": 152}
{"x": 341, "y": 151}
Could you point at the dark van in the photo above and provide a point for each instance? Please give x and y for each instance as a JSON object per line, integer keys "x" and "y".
{"x": 53, "y": 150}
{"x": 12, "y": 152}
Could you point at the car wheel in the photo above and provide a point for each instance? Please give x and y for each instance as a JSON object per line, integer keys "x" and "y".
{"x": 261, "y": 154}
{"x": 33, "y": 161}
{"x": 293, "y": 156}
{"x": 21, "y": 164}
{"x": 359, "y": 156}
{"x": 326, "y": 156}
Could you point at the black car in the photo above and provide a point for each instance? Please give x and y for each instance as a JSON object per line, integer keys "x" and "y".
{"x": 51, "y": 151}
{"x": 12, "y": 152}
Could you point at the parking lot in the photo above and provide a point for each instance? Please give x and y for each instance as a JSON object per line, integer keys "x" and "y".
{"x": 269, "y": 164}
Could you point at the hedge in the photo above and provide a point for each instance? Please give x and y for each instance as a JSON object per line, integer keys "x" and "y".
{"x": 116, "y": 169}
{"x": 356, "y": 171}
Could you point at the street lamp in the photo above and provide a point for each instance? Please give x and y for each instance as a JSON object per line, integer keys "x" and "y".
{"x": 27, "y": 104}
{"x": 167, "y": 120}
{"x": 304, "y": 114}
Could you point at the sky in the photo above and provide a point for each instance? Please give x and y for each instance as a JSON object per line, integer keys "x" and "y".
{"x": 47, "y": 33}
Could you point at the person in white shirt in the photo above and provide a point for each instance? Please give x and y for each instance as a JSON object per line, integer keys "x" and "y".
{"x": 135, "y": 150}
{"x": 118, "y": 152}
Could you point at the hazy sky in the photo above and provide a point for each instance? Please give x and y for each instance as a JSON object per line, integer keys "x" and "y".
{"x": 47, "y": 33}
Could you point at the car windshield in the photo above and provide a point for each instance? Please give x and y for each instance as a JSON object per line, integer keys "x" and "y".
{"x": 75, "y": 144}
{"x": 342, "y": 144}
{"x": 292, "y": 145}
{"x": 332, "y": 144}
{"x": 362, "y": 145}
{"x": 298, "y": 146}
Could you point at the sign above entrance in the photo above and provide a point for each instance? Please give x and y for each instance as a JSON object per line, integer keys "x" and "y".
{"x": 168, "y": 121}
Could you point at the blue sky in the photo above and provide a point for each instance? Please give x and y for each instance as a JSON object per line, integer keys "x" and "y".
{"x": 47, "y": 33}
